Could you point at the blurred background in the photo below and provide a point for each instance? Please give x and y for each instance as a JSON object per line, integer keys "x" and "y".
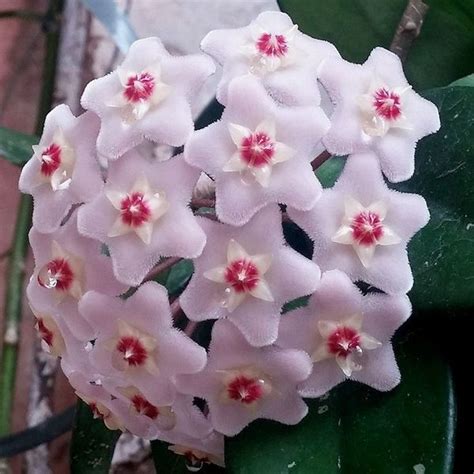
{"x": 86, "y": 51}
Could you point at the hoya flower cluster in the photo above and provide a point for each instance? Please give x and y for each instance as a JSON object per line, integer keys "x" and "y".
{"x": 107, "y": 212}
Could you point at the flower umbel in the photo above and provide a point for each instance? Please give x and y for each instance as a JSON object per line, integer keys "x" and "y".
{"x": 235, "y": 228}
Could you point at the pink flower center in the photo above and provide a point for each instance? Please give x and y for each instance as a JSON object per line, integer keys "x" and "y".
{"x": 257, "y": 149}
{"x": 144, "y": 407}
{"x": 134, "y": 210}
{"x": 245, "y": 389}
{"x": 242, "y": 275}
{"x": 44, "y": 332}
{"x": 272, "y": 45}
{"x": 387, "y": 104}
{"x": 367, "y": 228}
{"x": 343, "y": 341}
{"x": 50, "y": 159}
{"x": 139, "y": 87}
{"x": 134, "y": 353}
{"x": 56, "y": 274}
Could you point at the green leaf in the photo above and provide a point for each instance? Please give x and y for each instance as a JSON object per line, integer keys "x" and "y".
{"x": 295, "y": 304}
{"x": 442, "y": 254}
{"x": 16, "y": 146}
{"x": 441, "y": 53}
{"x": 115, "y": 21}
{"x": 178, "y": 276}
{"x": 92, "y": 445}
{"x": 358, "y": 430}
{"x": 467, "y": 81}
{"x": 330, "y": 170}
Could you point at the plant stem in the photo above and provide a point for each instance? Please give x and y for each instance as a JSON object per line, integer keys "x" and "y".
{"x": 320, "y": 159}
{"x": 196, "y": 203}
{"x": 14, "y": 293}
{"x": 409, "y": 27}
{"x": 161, "y": 267}
{"x": 13, "y": 302}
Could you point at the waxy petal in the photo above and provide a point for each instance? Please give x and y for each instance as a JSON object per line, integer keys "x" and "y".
{"x": 393, "y": 139}
{"x": 286, "y": 276}
{"x": 337, "y": 303}
{"x": 384, "y": 266}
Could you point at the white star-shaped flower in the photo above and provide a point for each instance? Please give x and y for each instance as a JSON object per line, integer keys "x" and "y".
{"x": 63, "y": 273}
{"x": 142, "y": 90}
{"x": 242, "y": 275}
{"x": 139, "y": 209}
{"x": 363, "y": 228}
{"x": 57, "y": 162}
{"x": 132, "y": 349}
{"x": 376, "y": 110}
{"x": 382, "y": 108}
{"x": 344, "y": 341}
{"x": 268, "y": 49}
{"x": 275, "y": 52}
{"x": 257, "y": 151}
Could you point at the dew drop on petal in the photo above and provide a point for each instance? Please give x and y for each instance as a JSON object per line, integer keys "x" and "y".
{"x": 47, "y": 278}
{"x": 56, "y": 274}
{"x": 224, "y": 301}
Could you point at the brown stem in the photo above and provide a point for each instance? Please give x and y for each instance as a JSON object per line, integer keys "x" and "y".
{"x": 176, "y": 309}
{"x": 320, "y": 159}
{"x": 409, "y": 27}
{"x": 161, "y": 267}
{"x": 196, "y": 203}
{"x": 190, "y": 327}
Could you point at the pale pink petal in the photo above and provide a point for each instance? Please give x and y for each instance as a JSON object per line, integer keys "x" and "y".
{"x": 325, "y": 376}
{"x": 181, "y": 76}
{"x": 235, "y": 49}
{"x": 51, "y": 207}
{"x": 380, "y": 371}
{"x": 291, "y": 182}
{"x": 396, "y": 145}
{"x": 289, "y": 276}
{"x": 361, "y": 179}
{"x": 176, "y": 233}
{"x": 283, "y": 369}
{"x": 97, "y": 268}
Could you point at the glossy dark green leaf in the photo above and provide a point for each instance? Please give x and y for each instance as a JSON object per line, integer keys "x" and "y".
{"x": 16, "y": 146}
{"x": 441, "y": 54}
{"x": 295, "y": 304}
{"x": 358, "y": 430}
{"x": 168, "y": 462}
{"x": 467, "y": 81}
{"x": 178, "y": 276}
{"x": 115, "y": 21}
{"x": 92, "y": 445}
{"x": 330, "y": 170}
{"x": 442, "y": 254}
